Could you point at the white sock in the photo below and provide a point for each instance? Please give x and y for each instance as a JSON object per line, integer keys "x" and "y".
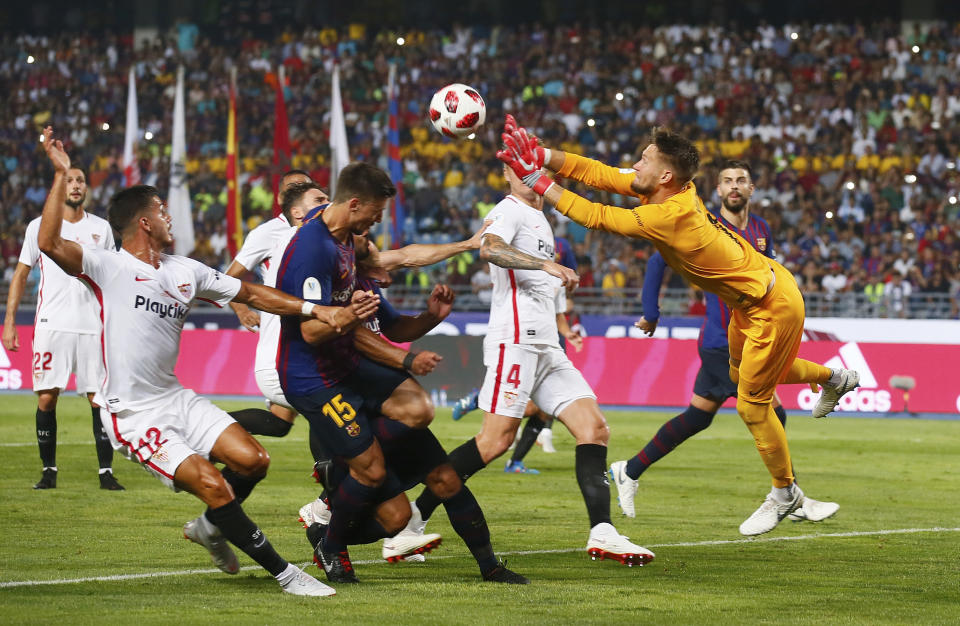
{"x": 105, "y": 470}
{"x": 835, "y": 377}
{"x": 783, "y": 495}
{"x": 54, "y": 468}
{"x": 287, "y": 575}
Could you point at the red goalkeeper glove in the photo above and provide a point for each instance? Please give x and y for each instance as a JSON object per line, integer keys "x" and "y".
{"x": 518, "y": 154}
{"x": 541, "y": 154}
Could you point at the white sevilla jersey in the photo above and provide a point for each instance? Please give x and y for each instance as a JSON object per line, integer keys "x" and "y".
{"x": 257, "y": 247}
{"x": 143, "y": 309}
{"x": 64, "y": 303}
{"x": 269, "y": 339}
{"x": 524, "y": 303}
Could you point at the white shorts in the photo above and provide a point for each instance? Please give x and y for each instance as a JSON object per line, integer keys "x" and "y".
{"x": 269, "y": 383}
{"x": 162, "y": 437}
{"x": 57, "y": 354}
{"x": 517, "y": 373}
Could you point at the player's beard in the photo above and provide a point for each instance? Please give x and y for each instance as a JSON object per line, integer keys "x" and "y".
{"x": 735, "y": 206}
{"x": 638, "y": 188}
{"x": 75, "y": 204}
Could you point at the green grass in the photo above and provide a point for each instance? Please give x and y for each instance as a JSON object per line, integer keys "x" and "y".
{"x": 887, "y": 474}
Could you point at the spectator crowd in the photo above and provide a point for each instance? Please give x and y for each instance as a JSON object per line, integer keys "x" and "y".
{"x": 853, "y": 132}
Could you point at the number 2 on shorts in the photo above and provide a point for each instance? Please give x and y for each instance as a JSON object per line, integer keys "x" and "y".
{"x": 338, "y": 410}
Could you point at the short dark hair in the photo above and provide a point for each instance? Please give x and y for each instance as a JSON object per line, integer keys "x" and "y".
{"x": 737, "y": 164}
{"x": 294, "y": 173}
{"x": 293, "y": 194}
{"x": 126, "y": 205}
{"x": 364, "y": 181}
{"x": 678, "y": 151}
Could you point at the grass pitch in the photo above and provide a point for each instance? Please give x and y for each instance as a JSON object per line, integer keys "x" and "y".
{"x": 889, "y": 556}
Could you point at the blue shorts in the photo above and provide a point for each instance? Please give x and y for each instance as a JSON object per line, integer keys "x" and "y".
{"x": 340, "y": 415}
{"x": 713, "y": 379}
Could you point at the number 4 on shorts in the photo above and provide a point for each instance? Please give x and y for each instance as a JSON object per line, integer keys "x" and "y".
{"x": 513, "y": 376}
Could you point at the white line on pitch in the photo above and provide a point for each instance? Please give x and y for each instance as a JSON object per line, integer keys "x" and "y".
{"x": 718, "y": 542}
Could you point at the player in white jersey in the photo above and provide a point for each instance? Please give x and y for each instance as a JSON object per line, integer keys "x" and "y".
{"x": 144, "y": 296}
{"x": 66, "y": 330}
{"x": 524, "y": 362}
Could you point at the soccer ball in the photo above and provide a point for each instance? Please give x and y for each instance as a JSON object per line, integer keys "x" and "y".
{"x": 457, "y": 111}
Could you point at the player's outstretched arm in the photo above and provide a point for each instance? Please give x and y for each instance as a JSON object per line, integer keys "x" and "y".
{"x": 11, "y": 341}
{"x": 420, "y": 255}
{"x": 247, "y": 316}
{"x": 375, "y": 348}
{"x": 497, "y": 251}
{"x": 67, "y": 254}
{"x": 281, "y": 303}
{"x": 412, "y": 327}
{"x": 650, "y": 298}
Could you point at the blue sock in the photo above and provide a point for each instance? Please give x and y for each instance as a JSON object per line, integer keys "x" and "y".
{"x": 670, "y": 435}
{"x": 467, "y": 520}
{"x": 351, "y": 502}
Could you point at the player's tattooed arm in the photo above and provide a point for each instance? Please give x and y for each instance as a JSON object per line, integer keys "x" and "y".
{"x": 497, "y": 251}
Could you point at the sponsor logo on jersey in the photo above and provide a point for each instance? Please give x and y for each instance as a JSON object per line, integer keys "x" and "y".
{"x": 174, "y": 310}
{"x": 342, "y": 296}
{"x": 543, "y": 246}
{"x": 868, "y": 397}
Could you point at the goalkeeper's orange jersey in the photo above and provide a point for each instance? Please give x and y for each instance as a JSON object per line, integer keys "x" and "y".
{"x": 690, "y": 238}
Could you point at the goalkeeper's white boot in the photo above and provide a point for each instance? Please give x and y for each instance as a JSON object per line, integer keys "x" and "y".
{"x": 626, "y": 487}
{"x": 772, "y": 511}
{"x": 606, "y": 543}
{"x": 847, "y": 380}
{"x": 813, "y": 511}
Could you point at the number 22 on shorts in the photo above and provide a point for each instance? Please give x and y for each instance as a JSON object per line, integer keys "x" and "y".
{"x": 338, "y": 410}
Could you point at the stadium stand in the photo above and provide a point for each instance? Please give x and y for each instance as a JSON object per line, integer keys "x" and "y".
{"x": 851, "y": 129}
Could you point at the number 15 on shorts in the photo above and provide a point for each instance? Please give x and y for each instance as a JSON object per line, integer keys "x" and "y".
{"x": 339, "y": 411}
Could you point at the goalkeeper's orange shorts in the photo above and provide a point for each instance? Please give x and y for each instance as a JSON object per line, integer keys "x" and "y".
{"x": 765, "y": 338}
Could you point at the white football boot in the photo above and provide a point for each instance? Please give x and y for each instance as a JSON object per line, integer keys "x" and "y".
{"x": 411, "y": 543}
{"x": 606, "y": 543}
{"x": 813, "y": 511}
{"x": 315, "y": 512}
{"x": 830, "y": 397}
{"x": 303, "y": 584}
{"x": 626, "y": 487}
{"x": 771, "y": 512}
{"x": 202, "y": 532}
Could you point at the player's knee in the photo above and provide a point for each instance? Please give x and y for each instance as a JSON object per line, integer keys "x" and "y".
{"x": 444, "y": 481}
{"x": 417, "y": 412}
{"x": 750, "y": 412}
{"x": 372, "y": 475}
{"x": 394, "y": 519}
{"x": 252, "y": 461}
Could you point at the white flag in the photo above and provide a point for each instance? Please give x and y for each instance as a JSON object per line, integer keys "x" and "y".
{"x": 339, "y": 152}
{"x": 130, "y": 168}
{"x": 178, "y": 200}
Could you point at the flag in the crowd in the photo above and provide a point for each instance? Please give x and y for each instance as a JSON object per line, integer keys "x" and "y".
{"x": 339, "y": 151}
{"x": 131, "y": 170}
{"x": 394, "y": 164}
{"x": 178, "y": 199}
{"x": 281, "y": 141}
{"x": 234, "y": 216}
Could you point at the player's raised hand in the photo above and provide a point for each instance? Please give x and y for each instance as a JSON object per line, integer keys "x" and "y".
{"x": 363, "y": 304}
{"x": 477, "y": 238}
{"x": 567, "y": 276}
{"x": 440, "y": 302}
{"x": 55, "y": 152}
{"x": 646, "y": 326}
{"x": 425, "y": 362}
{"x": 519, "y": 155}
{"x": 539, "y": 152}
